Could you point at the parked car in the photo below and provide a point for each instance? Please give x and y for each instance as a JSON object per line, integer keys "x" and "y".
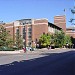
{"x": 28, "y": 48}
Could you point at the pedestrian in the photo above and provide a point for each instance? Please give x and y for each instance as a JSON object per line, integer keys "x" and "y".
{"x": 48, "y": 47}
{"x": 24, "y": 49}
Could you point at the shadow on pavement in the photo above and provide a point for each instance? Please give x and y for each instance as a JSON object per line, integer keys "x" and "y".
{"x": 51, "y": 64}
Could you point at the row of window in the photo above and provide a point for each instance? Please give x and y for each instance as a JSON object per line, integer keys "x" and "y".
{"x": 29, "y": 35}
{"x": 23, "y": 22}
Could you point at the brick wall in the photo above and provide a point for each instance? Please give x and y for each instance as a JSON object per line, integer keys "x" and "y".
{"x": 38, "y": 30}
{"x": 60, "y": 21}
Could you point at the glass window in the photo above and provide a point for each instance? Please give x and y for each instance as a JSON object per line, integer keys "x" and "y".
{"x": 29, "y": 37}
{"x": 29, "y": 29}
{"x": 29, "y": 33}
{"x": 17, "y": 31}
{"x": 25, "y": 21}
{"x": 24, "y": 33}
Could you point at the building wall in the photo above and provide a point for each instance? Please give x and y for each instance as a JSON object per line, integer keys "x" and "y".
{"x": 51, "y": 30}
{"x": 70, "y": 32}
{"x": 38, "y": 30}
{"x": 60, "y": 21}
{"x": 34, "y": 28}
{"x": 40, "y": 21}
{"x": 39, "y": 27}
{"x": 28, "y": 34}
{"x": 10, "y": 28}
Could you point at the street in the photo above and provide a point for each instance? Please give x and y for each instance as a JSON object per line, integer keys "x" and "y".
{"x": 55, "y": 62}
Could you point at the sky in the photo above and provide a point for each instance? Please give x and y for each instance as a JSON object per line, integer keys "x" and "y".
{"x": 11, "y": 10}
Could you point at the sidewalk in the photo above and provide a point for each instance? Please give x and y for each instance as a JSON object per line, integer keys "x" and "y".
{"x": 38, "y": 51}
{"x": 9, "y": 52}
{"x": 45, "y": 50}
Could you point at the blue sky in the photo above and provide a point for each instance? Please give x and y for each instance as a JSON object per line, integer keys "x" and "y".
{"x": 11, "y": 10}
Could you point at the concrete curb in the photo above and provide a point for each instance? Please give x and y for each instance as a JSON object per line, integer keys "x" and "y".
{"x": 9, "y": 52}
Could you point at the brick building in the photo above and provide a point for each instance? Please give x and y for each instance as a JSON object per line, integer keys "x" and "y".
{"x": 60, "y": 21}
{"x": 30, "y": 29}
{"x": 71, "y": 31}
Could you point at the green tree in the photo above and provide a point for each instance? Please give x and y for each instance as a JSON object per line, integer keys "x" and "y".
{"x": 9, "y": 42}
{"x": 67, "y": 40}
{"x": 45, "y": 39}
{"x": 19, "y": 40}
{"x": 5, "y": 39}
{"x": 59, "y": 38}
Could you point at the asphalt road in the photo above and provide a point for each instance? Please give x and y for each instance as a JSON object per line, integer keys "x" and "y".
{"x": 59, "y": 63}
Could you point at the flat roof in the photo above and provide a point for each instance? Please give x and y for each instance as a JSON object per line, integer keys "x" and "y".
{"x": 23, "y": 19}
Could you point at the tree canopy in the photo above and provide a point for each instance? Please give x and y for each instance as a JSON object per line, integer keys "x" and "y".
{"x": 5, "y": 37}
{"x": 45, "y": 39}
{"x": 58, "y": 39}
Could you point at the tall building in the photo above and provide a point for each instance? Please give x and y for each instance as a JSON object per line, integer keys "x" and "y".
{"x": 60, "y": 21}
{"x": 30, "y": 29}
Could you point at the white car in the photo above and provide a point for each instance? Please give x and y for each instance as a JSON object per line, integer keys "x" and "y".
{"x": 28, "y": 48}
